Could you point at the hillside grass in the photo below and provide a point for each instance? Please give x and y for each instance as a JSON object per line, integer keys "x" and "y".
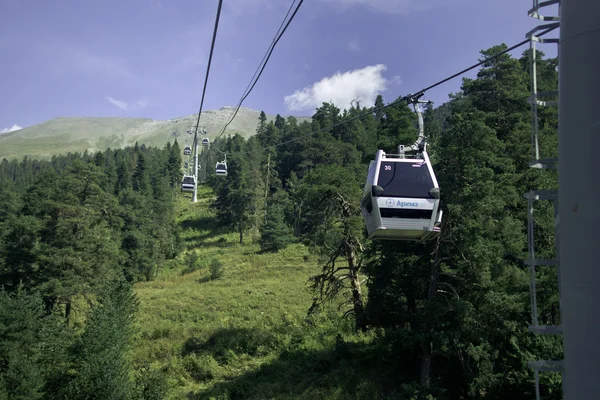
{"x": 246, "y": 334}
{"x": 77, "y": 134}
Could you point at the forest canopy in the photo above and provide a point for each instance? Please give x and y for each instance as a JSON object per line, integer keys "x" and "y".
{"x": 450, "y": 316}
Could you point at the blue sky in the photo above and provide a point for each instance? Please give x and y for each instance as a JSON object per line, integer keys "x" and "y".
{"x": 147, "y": 58}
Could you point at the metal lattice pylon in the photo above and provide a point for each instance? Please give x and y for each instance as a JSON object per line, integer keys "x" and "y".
{"x": 551, "y": 23}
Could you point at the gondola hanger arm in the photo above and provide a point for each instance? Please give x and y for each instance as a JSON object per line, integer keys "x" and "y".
{"x": 420, "y": 144}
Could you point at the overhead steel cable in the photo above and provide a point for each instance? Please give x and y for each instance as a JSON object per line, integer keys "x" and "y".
{"x": 210, "y": 56}
{"x": 257, "y": 69}
{"x": 404, "y": 98}
{"x": 195, "y": 142}
{"x": 263, "y": 63}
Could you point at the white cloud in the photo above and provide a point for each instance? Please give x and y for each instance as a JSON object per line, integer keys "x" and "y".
{"x": 353, "y": 45}
{"x": 342, "y": 88}
{"x": 117, "y": 103}
{"x": 13, "y": 128}
{"x": 136, "y": 105}
{"x": 142, "y": 103}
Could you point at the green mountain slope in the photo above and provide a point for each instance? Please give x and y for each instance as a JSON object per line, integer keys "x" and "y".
{"x": 245, "y": 332}
{"x": 77, "y": 134}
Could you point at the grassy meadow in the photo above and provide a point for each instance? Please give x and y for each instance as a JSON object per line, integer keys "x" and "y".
{"x": 234, "y": 324}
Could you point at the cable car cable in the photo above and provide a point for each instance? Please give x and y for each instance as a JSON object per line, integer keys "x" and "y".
{"x": 407, "y": 97}
{"x": 267, "y": 56}
{"x": 210, "y": 56}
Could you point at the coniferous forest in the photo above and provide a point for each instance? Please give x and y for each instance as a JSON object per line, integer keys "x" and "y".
{"x": 275, "y": 292}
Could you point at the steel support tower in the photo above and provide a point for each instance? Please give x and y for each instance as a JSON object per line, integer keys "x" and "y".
{"x": 196, "y": 177}
{"x": 578, "y": 145}
{"x": 538, "y": 99}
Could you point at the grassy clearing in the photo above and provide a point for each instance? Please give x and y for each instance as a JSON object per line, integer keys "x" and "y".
{"x": 245, "y": 334}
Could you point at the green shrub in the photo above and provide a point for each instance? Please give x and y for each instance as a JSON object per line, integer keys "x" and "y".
{"x": 192, "y": 263}
{"x": 216, "y": 269}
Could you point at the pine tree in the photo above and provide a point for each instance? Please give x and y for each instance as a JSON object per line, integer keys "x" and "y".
{"x": 21, "y": 322}
{"x": 173, "y": 166}
{"x": 279, "y": 122}
{"x": 275, "y": 234}
{"x": 102, "y": 368}
{"x": 379, "y": 112}
{"x": 262, "y": 123}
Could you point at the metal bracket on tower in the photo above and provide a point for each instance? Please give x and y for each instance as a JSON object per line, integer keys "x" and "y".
{"x": 544, "y": 98}
{"x": 195, "y": 194}
{"x": 536, "y": 100}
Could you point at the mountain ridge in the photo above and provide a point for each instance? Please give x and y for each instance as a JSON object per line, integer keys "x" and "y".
{"x": 66, "y": 134}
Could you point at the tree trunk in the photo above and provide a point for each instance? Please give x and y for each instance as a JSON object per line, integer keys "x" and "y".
{"x": 427, "y": 345}
{"x": 68, "y": 311}
{"x": 360, "y": 321}
{"x": 426, "y": 364}
{"x": 49, "y": 304}
{"x": 241, "y": 231}
{"x": 267, "y": 184}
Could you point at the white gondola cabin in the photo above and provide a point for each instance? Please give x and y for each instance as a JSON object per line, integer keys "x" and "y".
{"x": 187, "y": 150}
{"x": 205, "y": 142}
{"x": 188, "y": 183}
{"x": 221, "y": 168}
{"x": 401, "y": 199}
